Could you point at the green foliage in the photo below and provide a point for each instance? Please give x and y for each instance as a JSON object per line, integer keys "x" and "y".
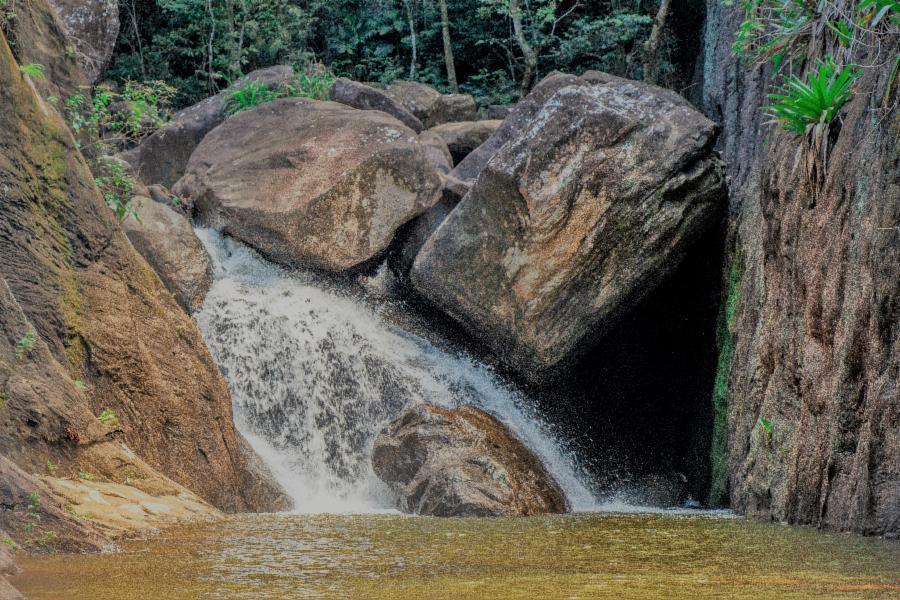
{"x": 51, "y": 466}
{"x": 109, "y": 418}
{"x": 799, "y": 106}
{"x": 252, "y": 93}
{"x": 117, "y": 187}
{"x": 25, "y": 345}
{"x": 316, "y": 86}
{"x": 768, "y": 431}
{"x": 724, "y": 339}
{"x": 79, "y": 384}
{"x": 199, "y": 47}
{"x": 85, "y": 475}
{"x": 33, "y": 70}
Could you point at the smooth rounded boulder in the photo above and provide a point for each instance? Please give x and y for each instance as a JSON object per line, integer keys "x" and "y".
{"x": 430, "y": 106}
{"x": 93, "y": 27}
{"x": 311, "y": 183}
{"x": 462, "y": 462}
{"x": 365, "y": 97}
{"x": 574, "y": 220}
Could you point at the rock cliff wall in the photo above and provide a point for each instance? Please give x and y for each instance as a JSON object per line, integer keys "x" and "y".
{"x": 87, "y": 326}
{"x": 810, "y": 336}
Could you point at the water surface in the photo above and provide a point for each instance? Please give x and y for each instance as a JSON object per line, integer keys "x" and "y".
{"x": 390, "y": 556}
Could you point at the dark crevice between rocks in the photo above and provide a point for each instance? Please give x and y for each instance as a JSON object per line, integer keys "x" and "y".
{"x": 637, "y": 405}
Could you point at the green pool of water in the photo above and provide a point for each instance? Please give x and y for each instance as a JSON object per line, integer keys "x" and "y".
{"x": 386, "y": 556}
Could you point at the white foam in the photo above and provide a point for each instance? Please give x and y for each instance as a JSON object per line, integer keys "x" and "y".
{"x": 315, "y": 373}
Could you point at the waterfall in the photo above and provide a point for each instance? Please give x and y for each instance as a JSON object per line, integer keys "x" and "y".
{"x": 316, "y": 371}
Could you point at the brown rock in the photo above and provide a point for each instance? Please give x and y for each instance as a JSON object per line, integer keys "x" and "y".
{"x": 361, "y": 96}
{"x": 498, "y": 111}
{"x": 462, "y": 462}
{"x": 437, "y": 151}
{"x": 518, "y": 119}
{"x": 93, "y": 27}
{"x": 311, "y": 183}
{"x": 430, "y": 106}
{"x": 463, "y": 137}
{"x": 815, "y": 334}
{"x": 161, "y": 158}
{"x": 167, "y": 241}
{"x": 573, "y": 221}
{"x": 40, "y": 38}
{"x": 35, "y": 517}
{"x": 86, "y": 326}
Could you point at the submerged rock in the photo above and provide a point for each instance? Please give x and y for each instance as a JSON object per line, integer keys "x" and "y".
{"x": 462, "y": 462}
{"x": 364, "y": 97}
{"x": 430, "y": 106}
{"x": 162, "y": 157}
{"x": 167, "y": 241}
{"x": 463, "y": 137}
{"x": 574, "y": 220}
{"x": 311, "y": 183}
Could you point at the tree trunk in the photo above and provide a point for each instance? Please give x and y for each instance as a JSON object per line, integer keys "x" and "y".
{"x": 515, "y": 13}
{"x": 448, "y": 49}
{"x": 651, "y": 46}
{"x": 410, "y": 15}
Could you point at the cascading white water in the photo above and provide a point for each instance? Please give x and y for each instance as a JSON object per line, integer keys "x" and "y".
{"x": 315, "y": 373}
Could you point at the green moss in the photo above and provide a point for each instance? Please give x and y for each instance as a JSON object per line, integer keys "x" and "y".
{"x": 724, "y": 340}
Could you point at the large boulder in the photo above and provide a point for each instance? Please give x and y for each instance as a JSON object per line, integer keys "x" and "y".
{"x": 430, "y": 106}
{"x": 166, "y": 239}
{"x": 573, "y": 221}
{"x": 462, "y": 462}
{"x": 515, "y": 122}
{"x": 93, "y": 27}
{"x": 162, "y": 157}
{"x": 364, "y": 97}
{"x": 311, "y": 183}
{"x": 463, "y": 137}
{"x": 86, "y": 326}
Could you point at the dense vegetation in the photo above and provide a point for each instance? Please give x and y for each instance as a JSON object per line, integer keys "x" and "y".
{"x": 492, "y": 48}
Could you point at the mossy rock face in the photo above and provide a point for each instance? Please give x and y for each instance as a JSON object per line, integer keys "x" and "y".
{"x": 99, "y": 315}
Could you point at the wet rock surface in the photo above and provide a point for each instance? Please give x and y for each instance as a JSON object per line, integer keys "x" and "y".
{"x": 311, "y": 183}
{"x": 462, "y": 462}
{"x": 574, "y": 220}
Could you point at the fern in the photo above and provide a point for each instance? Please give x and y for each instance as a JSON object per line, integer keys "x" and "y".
{"x": 32, "y": 70}
{"x": 252, "y": 93}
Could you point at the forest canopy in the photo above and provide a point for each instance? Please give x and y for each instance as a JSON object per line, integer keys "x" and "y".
{"x": 493, "y": 49}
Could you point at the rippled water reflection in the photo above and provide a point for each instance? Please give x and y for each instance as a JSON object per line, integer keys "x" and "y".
{"x": 390, "y": 556}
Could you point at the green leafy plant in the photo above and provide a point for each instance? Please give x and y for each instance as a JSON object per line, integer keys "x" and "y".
{"x": 798, "y": 106}
{"x": 12, "y": 545}
{"x": 51, "y": 466}
{"x": 316, "y": 86}
{"x": 33, "y": 70}
{"x": 32, "y": 512}
{"x": 768, "y": 430}
{"x": 109, "y": 418}
{"x": 79, "y": 384}
{"x": 25, "y": 345}
{"x": 85, "y": 475}
{"x": 117, "y": 187}
{"x": 252, "y": 93}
